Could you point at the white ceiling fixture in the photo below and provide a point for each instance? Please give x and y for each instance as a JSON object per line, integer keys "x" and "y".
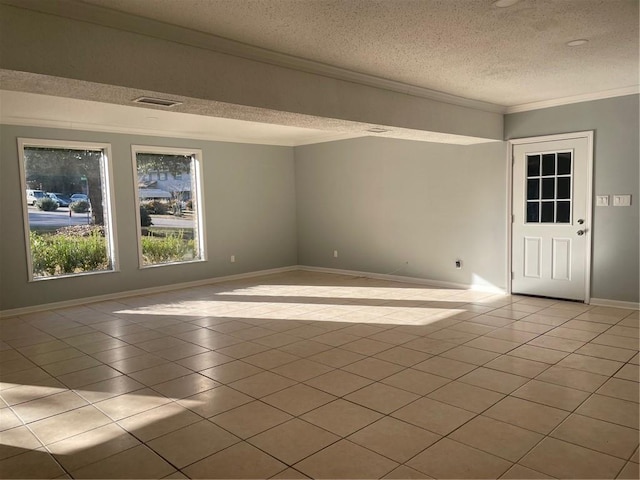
{"x": 577, "y": 43}
{"x": 504, "y": 3}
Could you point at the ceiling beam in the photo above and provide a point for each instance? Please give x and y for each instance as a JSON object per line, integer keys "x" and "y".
{"x": 48, "y": 44}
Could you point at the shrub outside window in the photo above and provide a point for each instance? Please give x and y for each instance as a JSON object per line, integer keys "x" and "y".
{"x": 169, "y": 205}
{"x": 67, "y": 208}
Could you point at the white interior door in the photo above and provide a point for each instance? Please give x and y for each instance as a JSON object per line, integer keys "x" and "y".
{"x": 551, "y": 234}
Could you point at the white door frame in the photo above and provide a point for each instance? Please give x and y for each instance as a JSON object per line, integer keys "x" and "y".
{"x": 589, "y": 207}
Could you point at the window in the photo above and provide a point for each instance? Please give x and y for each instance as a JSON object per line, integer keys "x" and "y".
{"x": 67, "y": 207}
{"x": 549, "y": 187}
{"x": 162, "y": 176}
{"x": 170, "y": 217}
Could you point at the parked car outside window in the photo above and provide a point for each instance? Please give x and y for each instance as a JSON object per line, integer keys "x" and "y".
{"x": 79, "y": 197}
{"x": 60, "y": 199}
{"x": 34, "y": 195}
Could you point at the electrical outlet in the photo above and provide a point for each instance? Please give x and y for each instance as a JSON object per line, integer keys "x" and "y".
{"x": 233, "y": 259}
{"x": 335, "y": 254}
{"x": 458, "y": 264}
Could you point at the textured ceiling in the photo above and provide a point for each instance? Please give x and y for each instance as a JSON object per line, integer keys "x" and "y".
{"x": 468, "y": 48}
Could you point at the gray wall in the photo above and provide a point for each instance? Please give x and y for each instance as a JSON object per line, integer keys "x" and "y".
{"x": 615, "y": 261}
{"x": 380, "y": 202}
{"x": 249, "y": 193}
{"x": 383, "y": 202}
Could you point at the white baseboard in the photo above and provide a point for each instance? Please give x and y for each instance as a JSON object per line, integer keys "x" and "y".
{"x": 352, "y": 273}
{"x": 404, "y": 279}
{"x": 142, "y": 291}
{"x": 603, "y": 302}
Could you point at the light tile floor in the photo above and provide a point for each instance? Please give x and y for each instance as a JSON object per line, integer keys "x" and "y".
{"x": 323, "y": 376}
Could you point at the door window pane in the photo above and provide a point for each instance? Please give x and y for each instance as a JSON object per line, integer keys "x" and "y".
{"x": 170, "y": 225}
{"x": 533, "y": 165}
{"x": 548, "y": 188}
{"x": 533, "y": 214}
{"x": 564, "y": 163}
{"x": 533, "y": 189}
{"x": 563, "y": 212}
{"x": 548, "y": 164}
{"x": 68, "y": 211}
{"x": 547, "y": 212}
{"x": 564, "y": 187}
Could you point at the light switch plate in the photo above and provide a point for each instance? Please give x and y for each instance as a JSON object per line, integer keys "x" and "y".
{"x": 621, "y": 200}
{"x": 602, "y": 200}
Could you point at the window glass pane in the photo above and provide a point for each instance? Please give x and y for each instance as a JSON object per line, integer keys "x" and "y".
{"x": 564, "y": 163}
{"x": 548, "y": 188}
{"x": 547, "y": 212}
{"x": 533, "y": 189}
{"x": 563, "y": 212}
{"x": 533, "y": 165}
{"x": 169, "y": 230}
{"x": 564, "y": 187}
{"x": 549, "y": 164}
{"x": 67, "y": 209}
{"x": 533, "y": 212}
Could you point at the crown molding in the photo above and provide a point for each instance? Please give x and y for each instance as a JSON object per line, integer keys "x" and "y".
{"x": 144, "y": 26}
{"x": 587, "y": 97}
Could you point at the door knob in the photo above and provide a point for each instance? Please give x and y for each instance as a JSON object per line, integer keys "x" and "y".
{"x": 580, "y": 232}
{"x": 580, "y": 221}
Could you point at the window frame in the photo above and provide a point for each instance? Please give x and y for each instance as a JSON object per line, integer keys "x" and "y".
{"x": 196, "y": 183}
{"x": 107, "y": 199}
{"x": 540, "y": 200}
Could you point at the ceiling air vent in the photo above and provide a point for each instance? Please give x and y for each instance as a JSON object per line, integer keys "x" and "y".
{"x": 378, "y": 130}
{"x": 158, "y": 102}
